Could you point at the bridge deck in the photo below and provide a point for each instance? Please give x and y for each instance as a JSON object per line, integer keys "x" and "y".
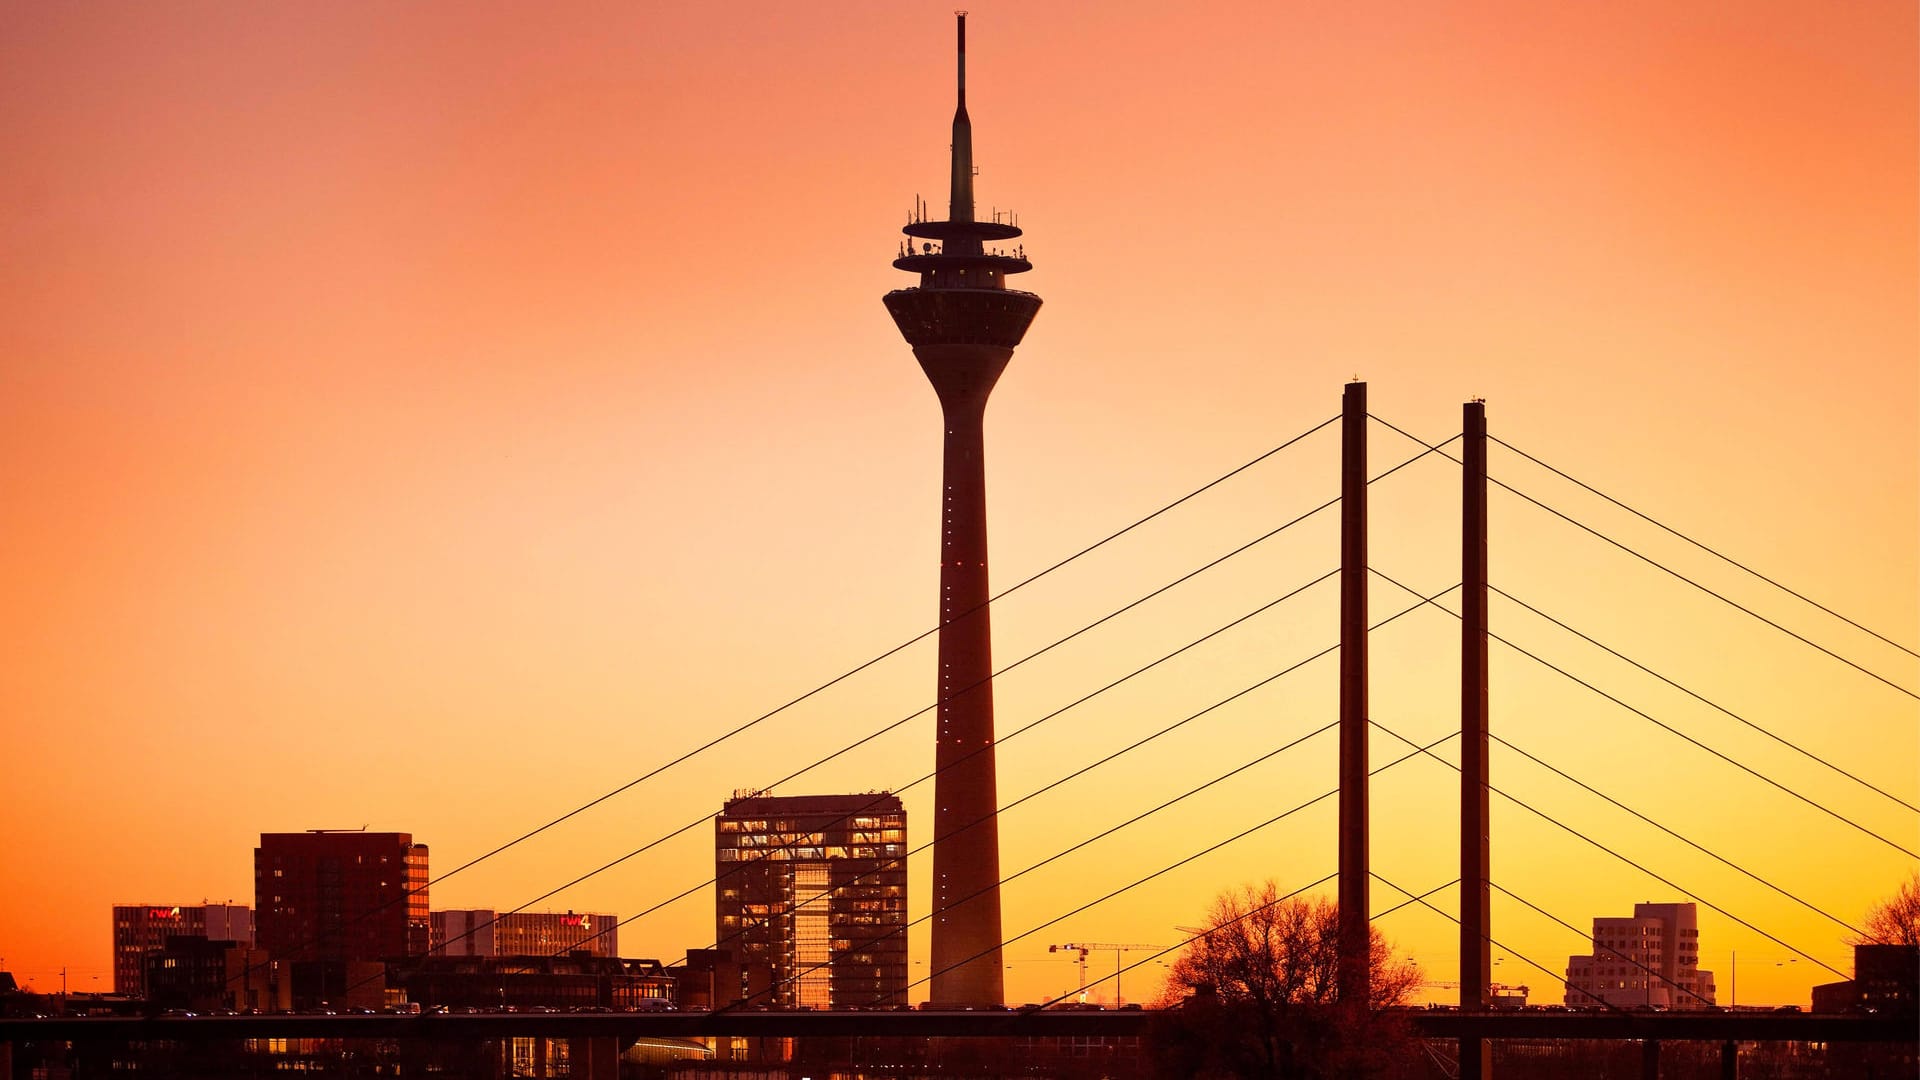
{"x": 1716, "y": 1026}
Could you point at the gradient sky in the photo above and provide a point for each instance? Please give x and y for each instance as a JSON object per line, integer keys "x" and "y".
{"x": 432, "y": 416}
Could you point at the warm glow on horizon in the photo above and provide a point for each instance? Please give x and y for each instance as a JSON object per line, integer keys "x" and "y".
{"x": 435, "y": 416}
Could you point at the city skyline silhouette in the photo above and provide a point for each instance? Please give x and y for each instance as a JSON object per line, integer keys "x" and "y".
{"x": 438, "y": 430}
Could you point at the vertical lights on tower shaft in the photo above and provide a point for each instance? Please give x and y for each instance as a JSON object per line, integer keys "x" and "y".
{"x": 963, "y": 323}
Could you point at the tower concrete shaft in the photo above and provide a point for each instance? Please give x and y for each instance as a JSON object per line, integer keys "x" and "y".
{"x": 963, "y": 323}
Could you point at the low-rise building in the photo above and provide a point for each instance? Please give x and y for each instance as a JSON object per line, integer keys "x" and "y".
{"x": 574, "y": 981}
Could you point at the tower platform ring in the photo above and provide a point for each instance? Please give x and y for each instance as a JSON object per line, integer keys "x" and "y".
{"x": 958, "y": 230}
{"x": 921, "y": 264}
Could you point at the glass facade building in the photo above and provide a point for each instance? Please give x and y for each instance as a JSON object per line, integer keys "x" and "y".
{"x": 814, "y": 888}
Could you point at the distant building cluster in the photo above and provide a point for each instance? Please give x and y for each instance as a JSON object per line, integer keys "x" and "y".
{"x": 811, "y": 911}
{"x": 1651, "y": 960}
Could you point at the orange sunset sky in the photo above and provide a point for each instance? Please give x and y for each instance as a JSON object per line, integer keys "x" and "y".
{"x": 434, "y": 415}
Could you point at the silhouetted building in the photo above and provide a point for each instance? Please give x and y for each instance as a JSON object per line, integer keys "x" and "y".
{"x": 341, "y": 895}
{"x": 1651, "y": 959}
{"x": 483, "y": 932}
{"x": 142, "y": 929}
{"x": 963, "y": 323}
{"x": 713, "y": 979}
{"x": 255, "y": 980}
{"x": 335, "y": 906}
{"x": 814, "y": 888}
{"x": 189, "y": 973}
{"x": 1886, "y": 979}
{"x": 575, "y": 981}
{"x": 202, "y": 974}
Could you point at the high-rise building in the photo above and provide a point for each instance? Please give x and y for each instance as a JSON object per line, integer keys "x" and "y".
{"x": 482, "y": 932}
{"x": 815, "y": 888}
{"x": 341, "y": 896}
{"x": 140, "y": 929}
{"x": 963, "y": 323}
{"x": 1651, "y": 959}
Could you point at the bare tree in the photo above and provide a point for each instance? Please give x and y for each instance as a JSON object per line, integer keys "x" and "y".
{"x": 1258, "y": 995}
{"x": 1896, "y": 920}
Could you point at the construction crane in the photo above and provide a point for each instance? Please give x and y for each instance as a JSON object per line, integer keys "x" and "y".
{"x": 1085, "y": 947}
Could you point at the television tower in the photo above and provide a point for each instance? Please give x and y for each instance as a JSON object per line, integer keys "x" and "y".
{"x": 963, "y": 323}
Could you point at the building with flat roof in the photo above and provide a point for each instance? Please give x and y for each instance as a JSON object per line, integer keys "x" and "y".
{"x": 484, "y": 932}
{"x": 143, "y": 929}
{"x": 814, "y": 887}
{"x": 1651, "y": 959}
{"x": 328, "y": 895}
{"x": 573, "y": 981}
{"x": 1886, "y": 979}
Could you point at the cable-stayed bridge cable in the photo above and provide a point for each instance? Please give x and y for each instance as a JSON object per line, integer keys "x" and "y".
{"x": 1210, "y": 931}
{"x": 1742, "y": 766}
{"x": 723, "y": 737}
{"x": 704, "y": 818}
{"x": 1703, "y": 849}
{"x": 1722, "y": 556}
{"x": 1242, "y": 917}
{"x": 1612, "y": 953}
{"x": 1704, "y": 701}
{"x": 849, "y": 673}
{"x": 1113, "y": 829}
{"x": 1544, "y": 816}
{"x": 1150, "y": 595}
{"x": 764, "y": 856}
{"x": 1552, "y": 974}
{"x": 1289, "y": 669}
{"x": 1650, "y": 561}
{"x": 1170, "y": 867}
{"x": 1236, "y": 770}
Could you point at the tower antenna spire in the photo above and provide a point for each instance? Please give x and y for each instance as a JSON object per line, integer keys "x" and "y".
{"x": 961, "y": 68}
{"x": 960, "y": 196}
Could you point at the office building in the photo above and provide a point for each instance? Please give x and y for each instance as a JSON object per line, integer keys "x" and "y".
{"x": 1649, "y": 960}
{"x": 335, "y": 895}
{"x": 814, "y": 888}
{"x": 143, "y": 929}
{"x": 964, "y": 323}
{"x": 483, "y": 932}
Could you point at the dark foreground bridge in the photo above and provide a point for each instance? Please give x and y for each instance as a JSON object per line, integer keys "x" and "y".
{"x": 1428, "y": 1023}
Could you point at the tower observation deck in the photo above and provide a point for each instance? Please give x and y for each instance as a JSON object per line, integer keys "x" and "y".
{"x": 963, "y": 323}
